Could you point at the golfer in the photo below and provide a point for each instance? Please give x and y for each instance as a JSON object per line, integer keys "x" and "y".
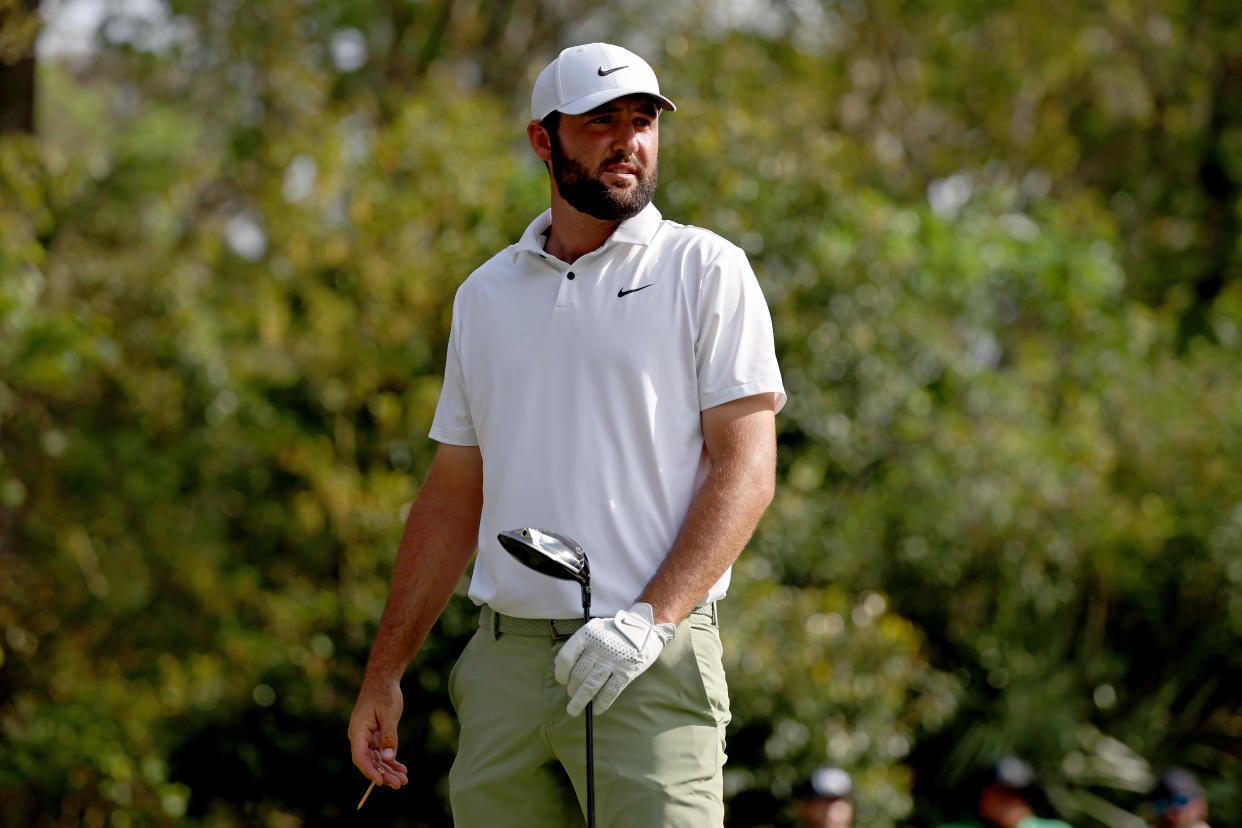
{"x": 610, "y": 376}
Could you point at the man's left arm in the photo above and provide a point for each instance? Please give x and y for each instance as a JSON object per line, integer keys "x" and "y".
{"x": 740, "y": 437}
{"x": 599, "y": 660}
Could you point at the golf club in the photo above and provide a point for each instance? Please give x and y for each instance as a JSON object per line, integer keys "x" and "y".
{"x": 560, "y": 556}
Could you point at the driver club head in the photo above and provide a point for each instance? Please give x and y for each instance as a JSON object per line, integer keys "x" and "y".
{"x": 550, "y": 553}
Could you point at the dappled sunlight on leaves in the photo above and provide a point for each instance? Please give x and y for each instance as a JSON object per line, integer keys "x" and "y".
{"x": 1000, "y": 251}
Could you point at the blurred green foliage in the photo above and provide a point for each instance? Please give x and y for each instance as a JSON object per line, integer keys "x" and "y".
{"x": 1001, "y": 251}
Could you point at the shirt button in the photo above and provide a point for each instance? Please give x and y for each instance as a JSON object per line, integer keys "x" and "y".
{"x": 569, "y": 275}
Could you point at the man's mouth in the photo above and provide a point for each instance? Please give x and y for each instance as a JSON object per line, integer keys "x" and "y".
{"x": 622, "y": 168}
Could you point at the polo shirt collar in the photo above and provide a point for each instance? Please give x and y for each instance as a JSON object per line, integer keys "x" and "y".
{"x": 640, "y": 229}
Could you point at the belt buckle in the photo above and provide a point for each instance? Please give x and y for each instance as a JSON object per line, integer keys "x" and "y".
{"x": 556, "y": 634}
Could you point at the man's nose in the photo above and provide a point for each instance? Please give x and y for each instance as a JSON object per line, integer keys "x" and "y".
{"x": 625, "y": 138}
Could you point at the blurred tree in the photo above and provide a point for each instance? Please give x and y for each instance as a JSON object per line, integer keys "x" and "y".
{"x": 997, "y": 244}
{"x": 19, "y": 26}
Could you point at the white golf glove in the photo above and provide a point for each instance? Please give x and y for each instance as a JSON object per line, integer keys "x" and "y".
{"x": 606, "y": 654}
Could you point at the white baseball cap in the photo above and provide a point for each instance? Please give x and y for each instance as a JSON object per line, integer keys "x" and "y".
{"x": 583, "y": 77}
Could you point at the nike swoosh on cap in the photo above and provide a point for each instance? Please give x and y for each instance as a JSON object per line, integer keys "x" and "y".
{"x": 602, "y": 71}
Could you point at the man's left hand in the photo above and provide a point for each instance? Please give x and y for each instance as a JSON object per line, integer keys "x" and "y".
{"x": 602, "y": 658}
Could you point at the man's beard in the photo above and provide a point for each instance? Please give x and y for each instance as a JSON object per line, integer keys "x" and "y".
{"x": 588, "y": 194}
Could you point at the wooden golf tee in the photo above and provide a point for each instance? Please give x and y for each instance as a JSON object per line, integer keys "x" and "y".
{"x": 364, "y": 797}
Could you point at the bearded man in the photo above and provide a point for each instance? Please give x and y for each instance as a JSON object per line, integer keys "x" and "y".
{"x": 611, "y": 376}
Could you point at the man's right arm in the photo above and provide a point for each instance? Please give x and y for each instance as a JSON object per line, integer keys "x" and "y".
{"x": 439, "y": 539}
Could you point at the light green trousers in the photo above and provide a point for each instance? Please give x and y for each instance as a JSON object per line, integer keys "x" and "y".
{"x": 521, "y": 760}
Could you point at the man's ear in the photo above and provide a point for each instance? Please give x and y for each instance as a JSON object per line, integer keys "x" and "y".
{"x": 540, "y": 141}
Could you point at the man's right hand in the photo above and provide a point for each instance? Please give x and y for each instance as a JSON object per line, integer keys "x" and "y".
{"x": 373, "y": 733}
{"x": 440, "y": 535}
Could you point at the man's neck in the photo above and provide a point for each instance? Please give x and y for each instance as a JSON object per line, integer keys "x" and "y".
{"x": 573, "y": 233}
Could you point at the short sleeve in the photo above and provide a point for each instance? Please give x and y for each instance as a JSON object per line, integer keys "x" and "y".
{"x": 453, "y": 423}
{"x": 735, "y": 354}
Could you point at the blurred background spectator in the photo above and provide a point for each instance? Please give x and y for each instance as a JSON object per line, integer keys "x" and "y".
{"x": 1177, "y": 801}
{"x": 1008, "y": 798}
{"x": 824, "y": 800}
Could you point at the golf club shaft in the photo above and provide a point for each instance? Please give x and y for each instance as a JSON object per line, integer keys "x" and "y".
{"x": 590, "y": 723}
{"x": 590, "y": 759}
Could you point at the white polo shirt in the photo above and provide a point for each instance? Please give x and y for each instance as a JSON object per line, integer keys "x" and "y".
{"x": 583, "y": 384}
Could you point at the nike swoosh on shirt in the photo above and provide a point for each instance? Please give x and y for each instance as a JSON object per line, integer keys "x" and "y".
{"x": 602, "y": 71}
{"x": 624, "y": 292}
